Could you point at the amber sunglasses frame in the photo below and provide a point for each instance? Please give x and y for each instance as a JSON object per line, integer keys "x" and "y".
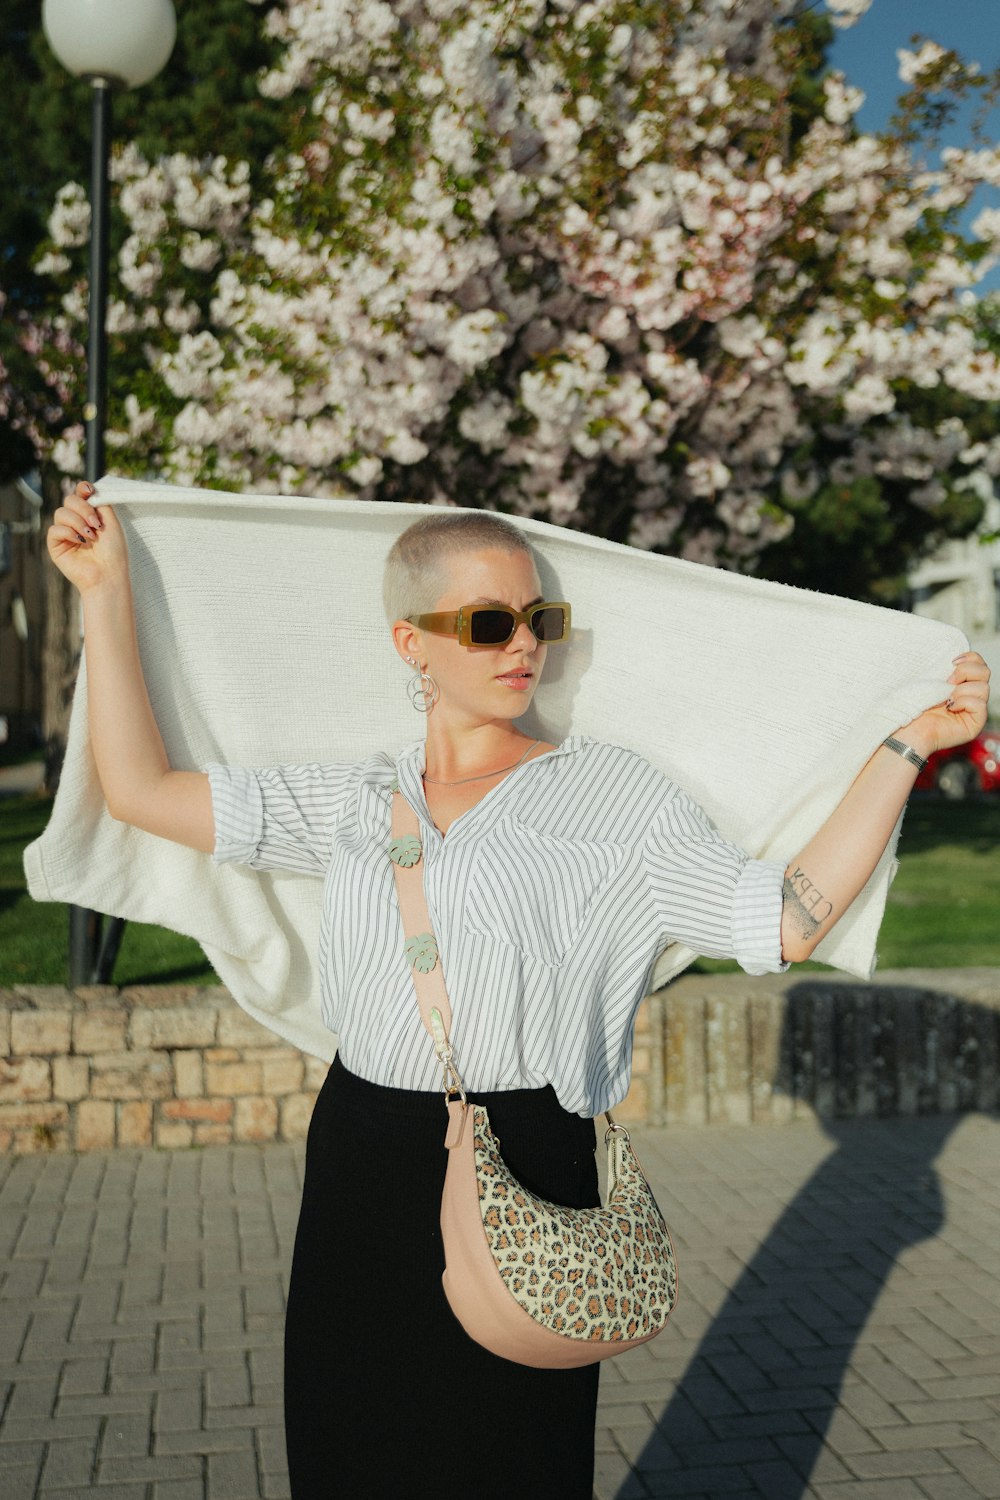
{"x": 459, "y": 622}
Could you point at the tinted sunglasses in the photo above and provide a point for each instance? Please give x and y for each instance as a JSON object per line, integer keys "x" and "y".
{"x": 494, "y": 624}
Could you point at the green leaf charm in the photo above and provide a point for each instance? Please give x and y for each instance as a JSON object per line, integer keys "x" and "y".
{"x": 421, "y": 952}
{"x": 405, "y": 851}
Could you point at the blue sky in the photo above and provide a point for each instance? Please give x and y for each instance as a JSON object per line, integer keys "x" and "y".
{"x": 866, "y": 53}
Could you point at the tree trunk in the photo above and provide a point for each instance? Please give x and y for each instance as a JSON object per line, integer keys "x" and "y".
{"x": 61, "y": 640}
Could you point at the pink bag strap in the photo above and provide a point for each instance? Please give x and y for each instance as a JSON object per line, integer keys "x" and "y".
{"x": 420, "y": 945}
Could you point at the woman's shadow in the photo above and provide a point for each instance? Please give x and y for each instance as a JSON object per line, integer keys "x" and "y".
{"x": 752, "y": 1409}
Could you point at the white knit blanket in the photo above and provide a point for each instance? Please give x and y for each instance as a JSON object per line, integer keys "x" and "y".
{"x": 263, "y": 641}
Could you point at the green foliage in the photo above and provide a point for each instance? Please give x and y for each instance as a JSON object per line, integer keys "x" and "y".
{"x": 332, "y": 190}
{"x": 810, "y": 35}
{"x": 942, "y": 905}
{"x": 858, "y": 540}
{"x": 34, "y": 935}
{"x": 205, "y": 102}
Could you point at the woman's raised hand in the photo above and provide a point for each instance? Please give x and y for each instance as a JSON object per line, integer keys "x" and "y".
{"x": 86, "y": 541}
{"x": 961, "y": 717}
{"x": 88, "y": 545}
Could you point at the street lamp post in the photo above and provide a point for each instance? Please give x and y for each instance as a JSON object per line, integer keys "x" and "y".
{"x": 110, "y": 44}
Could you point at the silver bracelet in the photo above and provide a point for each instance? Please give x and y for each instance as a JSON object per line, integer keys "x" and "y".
{"x": 906, "y": 751}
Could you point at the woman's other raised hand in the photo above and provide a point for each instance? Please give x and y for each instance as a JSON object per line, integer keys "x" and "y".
{"x": 86, "y": 541}
{"x": 88, "y": 545}
{"x": 961, "y": 717}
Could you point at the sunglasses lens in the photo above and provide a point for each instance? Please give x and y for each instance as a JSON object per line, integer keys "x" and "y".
{"x": 494, "y": 627}
{"x": 491, "y": 627}
{"x": 548, "y": 623}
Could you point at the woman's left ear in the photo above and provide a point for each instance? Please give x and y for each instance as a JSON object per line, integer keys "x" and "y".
{"x": 408, "y": 642}
{"x": 405, "y": 638}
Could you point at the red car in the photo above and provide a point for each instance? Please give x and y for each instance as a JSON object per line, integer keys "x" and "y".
{"x": 964, "y": 770}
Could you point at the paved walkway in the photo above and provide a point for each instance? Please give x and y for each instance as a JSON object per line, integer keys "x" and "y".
{"x": 838, "y": 1337}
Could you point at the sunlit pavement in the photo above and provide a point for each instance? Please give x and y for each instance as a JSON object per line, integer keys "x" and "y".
{"x": 838, "y": 1334}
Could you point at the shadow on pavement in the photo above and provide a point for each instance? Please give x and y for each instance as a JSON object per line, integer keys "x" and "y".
{"x": 751, "y": 1411}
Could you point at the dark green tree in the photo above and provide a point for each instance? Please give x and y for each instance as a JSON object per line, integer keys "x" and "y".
{"x": 205, "y": 102}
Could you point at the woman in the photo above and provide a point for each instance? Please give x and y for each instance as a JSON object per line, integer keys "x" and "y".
{"x": 554, "y": 874}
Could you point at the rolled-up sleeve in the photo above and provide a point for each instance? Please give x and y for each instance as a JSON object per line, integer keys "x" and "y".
{"x": 280, "y": 817}
{"x": 711, "y": 895}
{"x": 757, "y": 908}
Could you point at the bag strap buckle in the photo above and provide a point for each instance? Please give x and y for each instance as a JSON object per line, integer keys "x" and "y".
{"x": 451, "y": 1080}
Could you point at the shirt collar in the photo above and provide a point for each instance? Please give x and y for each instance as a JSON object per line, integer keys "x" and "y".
{"x": 411, "y": 762}
{"x": 417, "y": 751}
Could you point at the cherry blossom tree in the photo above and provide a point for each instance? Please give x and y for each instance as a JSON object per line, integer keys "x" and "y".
{"x": 208, "y": 91}
{"x": 591, "y": 261}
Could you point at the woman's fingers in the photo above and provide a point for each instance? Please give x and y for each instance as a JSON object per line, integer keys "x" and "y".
{"x": 970, "y": 668}
{"x": 60, "y": 538}
{"x": 971, "y": 690}
{"x": 71, "y": 520}
{"x": 82, "y": 500}
{"x": 976, "y": 674}
{"x": 963, "y": 715}
{"x": 65, "y": 530}
{"x": 964, "y": 699}
{"x": 977, "y": 683}
{"x": 967, "y": 706}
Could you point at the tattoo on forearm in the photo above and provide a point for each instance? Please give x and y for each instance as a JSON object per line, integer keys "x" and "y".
{"x": 808, "y": 906}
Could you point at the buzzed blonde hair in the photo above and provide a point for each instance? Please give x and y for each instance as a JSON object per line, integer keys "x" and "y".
{"x": 416, "y": 568}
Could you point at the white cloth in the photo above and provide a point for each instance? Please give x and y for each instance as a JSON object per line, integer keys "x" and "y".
{"x": 551, "y": 899}
{"x": 263, "y": 642}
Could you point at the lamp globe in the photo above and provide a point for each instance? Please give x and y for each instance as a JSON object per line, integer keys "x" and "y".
{"x": 123, "y": 41}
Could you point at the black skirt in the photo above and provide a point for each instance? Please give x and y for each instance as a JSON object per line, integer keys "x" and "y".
{"x": 386, "y": 1396}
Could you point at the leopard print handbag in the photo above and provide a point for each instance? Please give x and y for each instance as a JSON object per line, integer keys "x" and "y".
{"x": 532, "y": 1281}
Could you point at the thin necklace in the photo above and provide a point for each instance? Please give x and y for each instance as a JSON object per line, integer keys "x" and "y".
{"x": 483, "y": 775}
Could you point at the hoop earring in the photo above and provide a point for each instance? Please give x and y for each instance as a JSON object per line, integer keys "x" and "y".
{"x": 422, "y": 698}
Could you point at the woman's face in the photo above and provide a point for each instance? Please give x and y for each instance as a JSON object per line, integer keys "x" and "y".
{"x": 477, "y": 681}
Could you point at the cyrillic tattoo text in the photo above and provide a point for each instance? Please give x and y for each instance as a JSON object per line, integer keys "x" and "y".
{"x": 808, "y": 905}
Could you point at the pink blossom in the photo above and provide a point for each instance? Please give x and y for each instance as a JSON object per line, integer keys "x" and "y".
{"x": 488, "y": 297}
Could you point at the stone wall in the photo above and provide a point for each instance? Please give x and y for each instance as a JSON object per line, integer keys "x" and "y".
{"x": 171, "y": 1066}
{"x": 730, "y": 1049}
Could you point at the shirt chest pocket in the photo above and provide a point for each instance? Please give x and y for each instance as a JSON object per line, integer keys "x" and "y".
{"x": 533, "y": 891}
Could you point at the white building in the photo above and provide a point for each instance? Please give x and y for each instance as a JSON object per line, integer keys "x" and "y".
{"x": 960, "y": 584}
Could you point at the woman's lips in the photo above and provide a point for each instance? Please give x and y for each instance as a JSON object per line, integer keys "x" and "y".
{"x": 520, "y": 680}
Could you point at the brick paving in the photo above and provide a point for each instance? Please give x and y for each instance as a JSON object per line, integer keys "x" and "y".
{"x": 838, "y": 1336}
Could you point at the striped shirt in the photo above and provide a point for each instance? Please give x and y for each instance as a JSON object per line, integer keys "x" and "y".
{"x": 550, "y": 899}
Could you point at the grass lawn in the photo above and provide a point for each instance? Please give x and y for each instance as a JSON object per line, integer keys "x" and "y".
{"x": 34, "y": 935}
{"x": 942, "y": 911}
